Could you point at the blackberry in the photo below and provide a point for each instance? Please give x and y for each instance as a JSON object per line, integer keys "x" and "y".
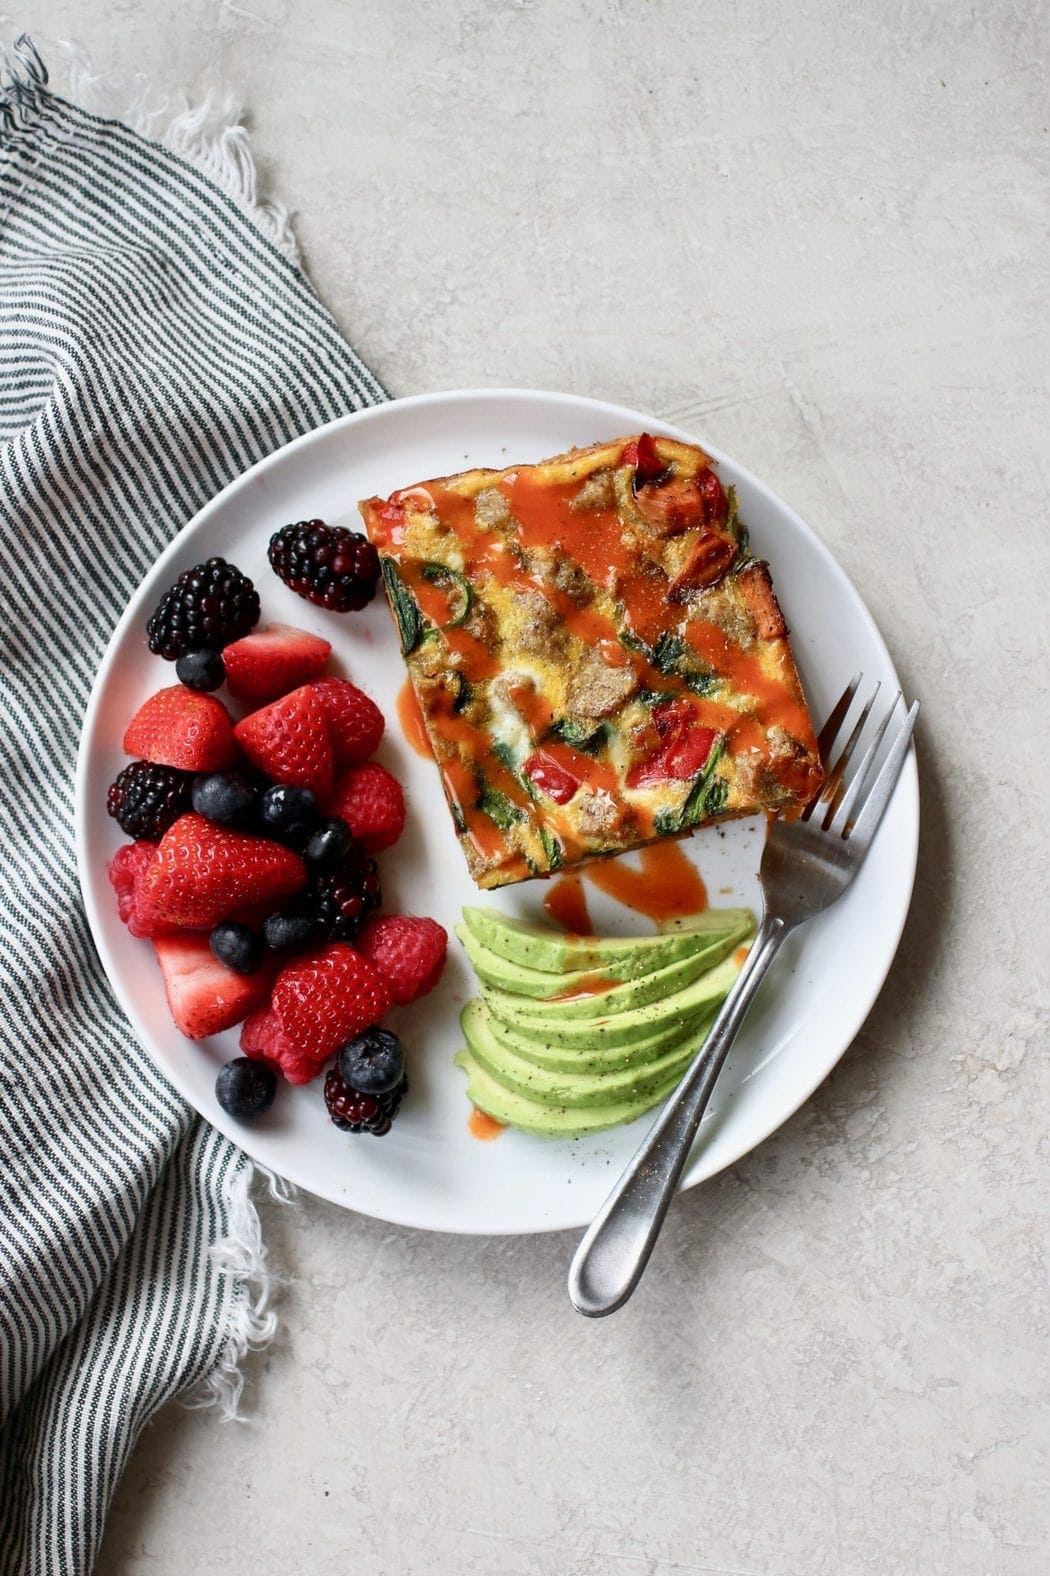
{"x": 342, "y": 899}
{"x": 361, "y": 1113}
{"x": 146, "y": 799}
{"x": 327, "y": 564}
{"x": 208, "y": 607}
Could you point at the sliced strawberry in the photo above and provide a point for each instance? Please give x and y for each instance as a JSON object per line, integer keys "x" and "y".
{"x": 319, "y": 1002}
{"x": 408, "y": 952}
{"x": 127, "y": 872}
{"x": 355, "y": 723}
{"x": 179, "y": 727}
{"x": 203, "y": 873}
{"x": 288, "y": 740}
{"x": 272, "y": 661}
{"x": 205, "y": 997}
{"x": 549, "y": 775}
{"x": 370, "y": 801}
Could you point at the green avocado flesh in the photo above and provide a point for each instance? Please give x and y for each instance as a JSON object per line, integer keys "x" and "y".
{"x": 631, "y": 981}
{"x": 583, "y": 1087}
{"x": 549, "y": 1121}
{"x": 550, "y": 1051}
{"x": 553, "y": 952}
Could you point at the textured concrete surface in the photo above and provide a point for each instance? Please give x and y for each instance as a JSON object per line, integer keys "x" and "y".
{"x": 819, "y": 234}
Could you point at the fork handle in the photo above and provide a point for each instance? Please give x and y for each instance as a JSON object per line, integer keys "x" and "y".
{"x": 610, "y": 1260}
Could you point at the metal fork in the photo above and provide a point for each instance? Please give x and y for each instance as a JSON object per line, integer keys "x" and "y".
{"x": 807, "y": 864}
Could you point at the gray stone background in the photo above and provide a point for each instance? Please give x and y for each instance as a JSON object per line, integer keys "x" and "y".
{"x": 816, "y": 232}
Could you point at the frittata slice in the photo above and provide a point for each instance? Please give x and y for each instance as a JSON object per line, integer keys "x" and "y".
{"x": 598, "y": 659}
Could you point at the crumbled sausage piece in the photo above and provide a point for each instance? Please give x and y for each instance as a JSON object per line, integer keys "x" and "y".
{"x": 595, "y": 813}
{"x": 597, "y": 492}
{"x": 540, "y": 628}
{"x": 596, "y": 690}
{"x": 491, "y": 509}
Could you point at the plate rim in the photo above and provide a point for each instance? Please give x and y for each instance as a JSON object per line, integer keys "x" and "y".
{"x": 698, "y": 1168}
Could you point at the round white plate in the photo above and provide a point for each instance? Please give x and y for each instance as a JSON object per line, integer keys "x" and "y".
{"x": 429, "y": 1171}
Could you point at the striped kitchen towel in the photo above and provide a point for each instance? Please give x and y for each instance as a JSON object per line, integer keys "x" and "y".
{"x": 155, "y": 339}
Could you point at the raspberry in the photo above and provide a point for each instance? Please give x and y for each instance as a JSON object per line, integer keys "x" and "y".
{"x": 409, "y": 953}
{"x": 361, "y": 1113}
{"x": 146, "y": 799}
{"x": 328, "y": 565}
{"x": 340, "y": 900}
{"x": 209, "y": 606}
{"x": 127, "y": 872}
{"x": 370, "y": 801}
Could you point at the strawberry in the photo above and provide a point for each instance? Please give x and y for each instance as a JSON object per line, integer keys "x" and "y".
{"x": 203, "y": 873}
{"x": 319, "y": 1002}
{"x": 355, "y": 723}
{"x": 178, "y": 727}
{"x": 273, "y": 661}
{"x": 370, "y": 801}
{"x": 288, "y": 740}
{"x": 409, "y": 953}
{"x": 205, "y": 996}
{"x": 127, "y": 871}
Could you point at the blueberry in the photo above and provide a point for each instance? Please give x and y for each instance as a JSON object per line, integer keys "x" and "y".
{"x": 227, "y": 798}
{"x": 330, "y": 844}
{"x": 245, "y": 1089}
{"x": 289, "y": 814}
{"x": 201, "y": 670}
{"x": 373, "y": 1063}
{"x": 289, "y": 932}
{"x": 238, "y": 947}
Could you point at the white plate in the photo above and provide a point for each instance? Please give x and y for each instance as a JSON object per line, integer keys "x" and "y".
{"x": 429, "y": 1171}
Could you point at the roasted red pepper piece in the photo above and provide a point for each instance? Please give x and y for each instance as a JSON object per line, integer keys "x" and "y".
{"x": 551, "y": 777}
{"x": 684, "y": 750}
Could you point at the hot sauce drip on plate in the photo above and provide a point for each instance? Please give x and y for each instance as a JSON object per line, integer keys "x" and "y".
{"x": 411, "y": 719}
{"x": 668, "y": 885}
{"x": 483, "y": 1126}
{"x": 566, "y": 903}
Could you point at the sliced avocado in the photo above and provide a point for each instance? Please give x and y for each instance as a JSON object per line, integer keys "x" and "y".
{"x": 554, "y": 952}
{"x": 576, "y": 1089}
{"x": 594, "y": 1054}
{"x": 549, "y": 1121}
{"x": 625, "y": 996}
{"x": 522, "y": 981}
{"x": 683, "y": 1006}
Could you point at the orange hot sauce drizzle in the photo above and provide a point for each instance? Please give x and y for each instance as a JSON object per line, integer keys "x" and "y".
{"x": 483, "y": 1126}
{"x": 668, "y": 886}
{"x": 566, "y": 903}
{"x": 410, "y": 717}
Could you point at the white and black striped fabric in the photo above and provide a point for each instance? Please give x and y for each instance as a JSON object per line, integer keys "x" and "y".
{"x": 153, "y": 343}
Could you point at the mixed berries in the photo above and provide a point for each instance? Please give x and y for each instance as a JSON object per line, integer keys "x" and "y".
{"x": 251, "y": 867}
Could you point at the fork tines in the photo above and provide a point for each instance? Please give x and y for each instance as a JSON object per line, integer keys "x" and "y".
{"x": 841, "y": 795}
